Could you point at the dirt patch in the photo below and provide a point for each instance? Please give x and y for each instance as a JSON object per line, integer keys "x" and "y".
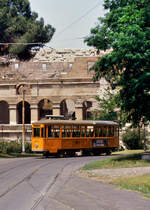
{"x": 108, "y": 175}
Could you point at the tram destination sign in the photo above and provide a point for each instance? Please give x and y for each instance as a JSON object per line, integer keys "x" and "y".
{"x": 100, "y": 142}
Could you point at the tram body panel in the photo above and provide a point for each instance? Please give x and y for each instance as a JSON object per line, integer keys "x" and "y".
{"x": 54, "y": 136}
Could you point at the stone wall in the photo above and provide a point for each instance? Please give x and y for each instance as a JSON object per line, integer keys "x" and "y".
{"x": 52, "y": 75}
{"x": 62, "y": 55}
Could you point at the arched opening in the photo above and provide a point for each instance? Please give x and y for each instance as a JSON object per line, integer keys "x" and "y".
{"x": 67, "y": 108}
{"x": 4, "y": 112}
{"x": 27, "y": 113}
{"x": 45, "y": 107}
{"x": 86, "y": 110}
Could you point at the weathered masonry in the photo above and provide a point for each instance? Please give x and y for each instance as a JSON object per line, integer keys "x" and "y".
{"x": 50, "y": 85}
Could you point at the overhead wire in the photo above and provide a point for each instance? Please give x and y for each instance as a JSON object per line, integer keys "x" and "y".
{"x": 69, "y": 39}
{"x": 77, "y": 20}
{"x": 62, "y": 31}
{"x": 21, "y": 43}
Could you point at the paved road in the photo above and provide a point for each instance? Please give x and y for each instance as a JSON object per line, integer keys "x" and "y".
{"x": 51, "y": 184}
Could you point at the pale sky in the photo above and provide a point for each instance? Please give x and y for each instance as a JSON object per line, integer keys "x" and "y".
{"x": 72, "y": 19}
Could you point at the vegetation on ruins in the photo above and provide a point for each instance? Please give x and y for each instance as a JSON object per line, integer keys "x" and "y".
{"x": 18, "y": 24}
{"x": 126, "y": 30}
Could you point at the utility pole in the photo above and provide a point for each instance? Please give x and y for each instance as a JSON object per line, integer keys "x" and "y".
{"x": 23, "y": 89}
{"x": 23, "y": 119}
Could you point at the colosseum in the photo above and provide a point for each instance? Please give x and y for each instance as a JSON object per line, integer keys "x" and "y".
{"x": 54, "y": 82}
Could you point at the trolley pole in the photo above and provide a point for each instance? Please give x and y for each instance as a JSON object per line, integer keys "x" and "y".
{"x": 23, "y": 120}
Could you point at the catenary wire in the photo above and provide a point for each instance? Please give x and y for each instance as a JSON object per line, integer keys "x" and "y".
{"x": 77, "y": 20}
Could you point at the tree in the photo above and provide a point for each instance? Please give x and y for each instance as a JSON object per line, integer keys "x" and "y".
{"x": 18, "y": 24}
{"x": 109, "y": 108}
{"x": 125, "y": 30}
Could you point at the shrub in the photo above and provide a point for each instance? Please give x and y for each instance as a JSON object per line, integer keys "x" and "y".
{"x": 14, "y": 147}
{"x": 132, "y": 139}
{"x": 28, "y": 147}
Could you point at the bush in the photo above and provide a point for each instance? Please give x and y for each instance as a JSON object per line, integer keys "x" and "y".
{"x": 13, "y": 147}
{"x": 28, "y": 147}
{"x": 132, "y": 139}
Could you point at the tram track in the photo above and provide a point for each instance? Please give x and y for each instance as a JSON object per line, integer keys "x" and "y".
{"x": 26, "y": 178}
{"x": 42, "y": 180}
{"x": 53, "y": 187}
{"x": 12, "y": 168}
{"x": 49, "y": 186}
{"x": 20, "y": 165}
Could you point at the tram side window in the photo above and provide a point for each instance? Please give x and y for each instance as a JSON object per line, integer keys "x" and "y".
{"x": 98, "y": 131}
{"x": 115, "y": 131}
{"x": 66, "y": 131}
{"x": 110, "y": 131}
{"x": 50, "y": 131}
{"x": 42, "y": 132}
{"x": 56, "y": 131}
{"x": 53, "y": 131}
{"x": 104, "y": 133}
{"x": 36, "y": 132}
{"x": 89, "y": 131}
{"x": 76, "y": 131}
{"x": 83, "y": 131}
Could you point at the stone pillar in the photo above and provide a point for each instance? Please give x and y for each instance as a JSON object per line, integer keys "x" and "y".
{"x": 56, "y": 109}
{"x": 34, "y": 112}
{"x": 79, "y": 111}
{"x": 12, "y": 114}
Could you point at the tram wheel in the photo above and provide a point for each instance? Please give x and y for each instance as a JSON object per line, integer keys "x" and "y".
{"x": 60, "y": 154}
{"x": 96, "y": 153}
{"x": 108, "y": 152}
{"x": 46, "y": 154}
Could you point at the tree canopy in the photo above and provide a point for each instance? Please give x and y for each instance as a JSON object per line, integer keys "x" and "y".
{"x": 18, "y": 24}
{"x": 125, "y": 30}
{"x": 107, "y": 107}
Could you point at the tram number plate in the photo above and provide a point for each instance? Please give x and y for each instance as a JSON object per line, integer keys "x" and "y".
{"x": 100, "y": 142}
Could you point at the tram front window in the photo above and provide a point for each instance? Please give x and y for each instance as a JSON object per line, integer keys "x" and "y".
{"x": 36, "y": 132}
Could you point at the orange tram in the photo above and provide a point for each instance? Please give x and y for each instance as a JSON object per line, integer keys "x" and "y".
{"x": 66, "y": 137}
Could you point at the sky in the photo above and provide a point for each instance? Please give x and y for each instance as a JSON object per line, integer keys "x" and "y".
{"x": 72, "y": 19}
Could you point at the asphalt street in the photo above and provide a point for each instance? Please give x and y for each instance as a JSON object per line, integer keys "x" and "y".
{"x": 52, "y": 184}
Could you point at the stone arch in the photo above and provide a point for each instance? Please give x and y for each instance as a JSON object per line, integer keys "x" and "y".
{"x": 4, "y": 112}
{"x": 87, "y": 105}
{"x": 27, "y": 113}
{"x": 45, "y": 107}
{"x": 67, "y": 108}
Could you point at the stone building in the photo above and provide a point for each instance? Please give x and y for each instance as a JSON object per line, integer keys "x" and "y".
{"x": 53, "y": 82}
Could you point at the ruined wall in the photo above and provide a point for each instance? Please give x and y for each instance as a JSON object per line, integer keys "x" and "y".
{"x": 49, "y": 64}
{"x": 53, "y": 76}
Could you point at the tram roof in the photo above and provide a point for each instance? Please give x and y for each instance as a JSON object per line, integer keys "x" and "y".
{"x": 76, "y": 122}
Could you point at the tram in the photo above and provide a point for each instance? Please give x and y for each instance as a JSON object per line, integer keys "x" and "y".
{"x": 66, "y": 137}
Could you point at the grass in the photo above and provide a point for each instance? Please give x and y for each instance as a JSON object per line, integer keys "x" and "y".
{"x": 127, "y": 152}
{"x": 126, "y": 161}
{"x": 138, "y": 183}
{"x": 17, "y": 155}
